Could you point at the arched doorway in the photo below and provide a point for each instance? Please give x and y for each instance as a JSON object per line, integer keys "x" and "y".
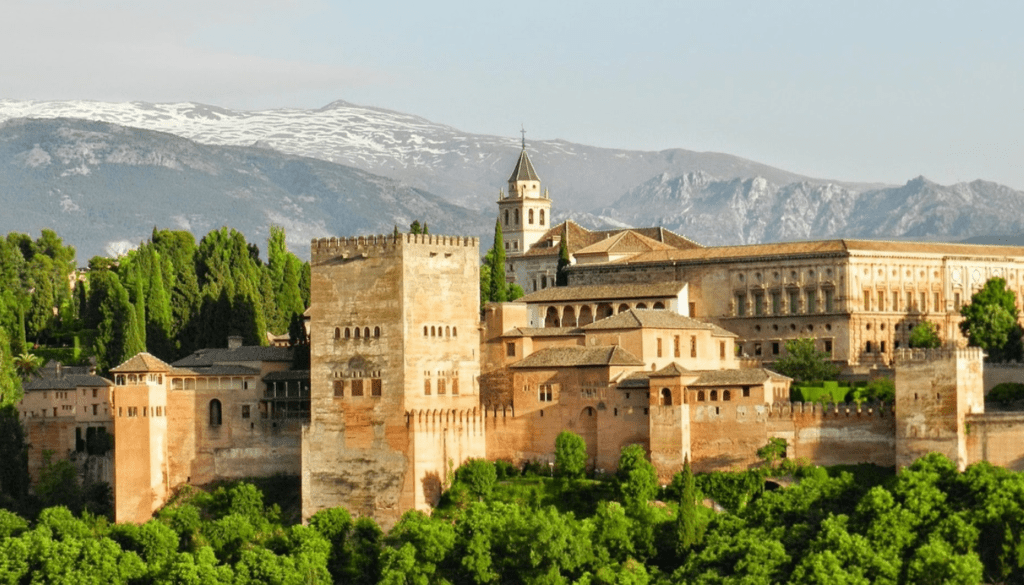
{"x": 551, "y": 317}
{"x": 666, "y": 397}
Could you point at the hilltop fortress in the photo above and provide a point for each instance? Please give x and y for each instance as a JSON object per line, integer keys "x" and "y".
{"x": 656, "y": 341}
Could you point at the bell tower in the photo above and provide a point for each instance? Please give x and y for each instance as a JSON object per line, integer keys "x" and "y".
{"x": 524, "y": 213}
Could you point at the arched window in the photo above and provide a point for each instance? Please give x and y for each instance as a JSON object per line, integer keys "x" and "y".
{"x": 366, "y": 332}
{"x": 641, "y": 306}
{"x": 623, "y": 308}
{"x": 376, "y": 331}
{"x": 666, "y": 397}
{"x": 531, "y": 217}
{"x": 515, "y": 214}
{"x": 506, "y": 217}
{"x": 348, "y": 333}
{"x": 726, "y": 395}
{"x": 215, "y": 413}
{"x": 541, "y": 217}
{"x": 447, "y": 331}
{"x": 659, "y": 305}
{"x": 700, "y": 396}
{"x": 455, "y": 331}
{"x": 337, "y": 332}
{"x": 433, "y": 332}
{"x": 424, "y": 331}
{"x": 714, "y": 395}
{"x": 357, "y": 333}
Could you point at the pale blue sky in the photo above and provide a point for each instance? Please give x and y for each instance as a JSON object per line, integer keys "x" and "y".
{"x": 860, "y": 91}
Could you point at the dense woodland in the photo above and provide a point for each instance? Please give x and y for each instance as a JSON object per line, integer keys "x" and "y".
{"x": 500, "y": 524}
{"x": 169, "y": 296}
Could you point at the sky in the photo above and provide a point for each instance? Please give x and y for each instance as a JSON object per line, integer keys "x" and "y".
{"x": 854, "y": 91}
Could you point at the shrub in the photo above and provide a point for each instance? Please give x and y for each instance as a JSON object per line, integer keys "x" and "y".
{"x": 1006, "y": 393}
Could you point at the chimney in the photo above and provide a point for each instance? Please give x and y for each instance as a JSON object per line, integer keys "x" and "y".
{"x": 234, "y": 341}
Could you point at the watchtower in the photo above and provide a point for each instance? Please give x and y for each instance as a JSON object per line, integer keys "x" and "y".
{"x": 524, "y": 213}
{"x": 394, "y": 335}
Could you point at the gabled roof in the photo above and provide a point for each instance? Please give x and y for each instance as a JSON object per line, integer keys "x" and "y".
{"x": 246, "y": 353}
{"x": 524, "y": 170}
{"x": 671, "y": 371}
{"x": 543, "y": 332}
{"x": 654, "y": 319}
{"x": 581, "y": 238}
{"x": 142, "y": 362}
{"x": 625, "y": 242}
{"x": 564, "y": 357}
{"x": 604, "y": 292}
{"x": 66, "y": 382}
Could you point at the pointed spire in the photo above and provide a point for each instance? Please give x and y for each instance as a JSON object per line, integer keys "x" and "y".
{"x": 524, "y": 170}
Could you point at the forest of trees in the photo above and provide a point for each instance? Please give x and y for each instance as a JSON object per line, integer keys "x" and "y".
{"x": 500, "y": 524}
{"x": 169, "y": 296}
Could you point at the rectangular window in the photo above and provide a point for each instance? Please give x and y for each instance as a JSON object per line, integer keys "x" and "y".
{"x": 144, "y": 411}
{"x": 339, "y": 388}
{"x": 922, "y": 304}
{"x": 881, "y": 300}
{"x": 881, "y": 346}
{"x": 746, "y": 391}
{"x": 675, "y": 346}
{"x": 867, "y": 346}
{"x": 544, "y": 393}
{"x": 895, "y": 301}
{"x": 757, "y": 349}
{"x": 956, "y": 301}
{"x": 829, "y": 298}
{"x": 794, "y": 302}
{"x": 659, "y": 347}
{"x": 721, "y": 350}
{"x": 441, "y": 387}
{"x": 758, "y": 304}
{"x": 775, "y": 348}
{"x": 910, "y": 302}
{"x": 828, "y": 347}
{"x": 693, "y": 346}
{"x": 357, "y": 388}
{"x": 95, "y": 409}
{"x": 867, "y": 300}
{"x": 693, "y": 309}
{"x": 776, "y": 303}
{"x": 426, "y": 387}
{"x": 455, "y": 386}
{"x": 95, "y": 391}
{"x": 510, "y": 349}
{"x": 812, "y": 301}
{"x": 935, "y": 302}
{"x": 245, "y": 411}
{"x": 376, "y": 387}
{"x": 741, "y": 305}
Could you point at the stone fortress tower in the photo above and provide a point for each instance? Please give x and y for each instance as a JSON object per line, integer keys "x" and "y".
{"x": 394, "y": 372}
{"x": 524, "y": 213}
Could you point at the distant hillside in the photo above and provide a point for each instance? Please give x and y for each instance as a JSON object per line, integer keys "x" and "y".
{"x": 102, "y": 187}
{"x": 464, "y": 168}
{"x": 715, "y": 211}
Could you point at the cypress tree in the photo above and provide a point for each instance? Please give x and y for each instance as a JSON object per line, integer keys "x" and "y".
{"x": 140, "y": 314}
{"x": 498, "y": 288}
{"x": 686, "y": 520}
{"x": 561, "y": 278}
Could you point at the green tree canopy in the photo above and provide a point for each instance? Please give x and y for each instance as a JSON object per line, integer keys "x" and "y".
{"x": 926, "y": 335}
{"x": 804, "y": 363}
{"x": 570, "y": 455}
{"x": 990, "y": 321}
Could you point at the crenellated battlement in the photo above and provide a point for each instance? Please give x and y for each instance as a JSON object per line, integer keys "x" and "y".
{"x": 787, "y": 410}
{"x": 378, "y": 245}
{"x": 918, "y": 355}
{"x": 426, "y": 418}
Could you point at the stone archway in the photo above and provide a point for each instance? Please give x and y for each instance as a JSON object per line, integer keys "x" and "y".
{"x": 568, "y": 317}
{"x": 586, "y": 316}
{"x": 551, "y": 318}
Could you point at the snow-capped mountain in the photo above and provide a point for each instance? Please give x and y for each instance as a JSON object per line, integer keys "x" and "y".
{"x": 103, "y": 188}
{"x": 466, "y": 169}
{"x": 715, "y": 211}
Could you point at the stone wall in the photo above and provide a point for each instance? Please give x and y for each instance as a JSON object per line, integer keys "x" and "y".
{"x": 836, "y": 434}
{"x": 997, "y": 438}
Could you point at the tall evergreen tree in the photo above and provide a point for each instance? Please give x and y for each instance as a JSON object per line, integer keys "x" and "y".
{"x": 496, "y": 265}
{"x": 561, "y": 278}
{"x": 686, "y": 519}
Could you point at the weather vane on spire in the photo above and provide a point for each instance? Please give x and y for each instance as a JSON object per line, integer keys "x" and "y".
{"x": 523, "y": 131}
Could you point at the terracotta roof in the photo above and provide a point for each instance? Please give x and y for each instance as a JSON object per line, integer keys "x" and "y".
{"x": 246, "y": 353}
{"x": 524, "y": 170}
{"x": 604, "y": 292}
{"x": 738, "y": 377}
{"x": 828, "y": 247}
{"x": 671, "y": 370}
{"x": 66, "y": 382}
{"x": 562, "y": 357}
{"x": 543, "y": 332}
{"x": 626, "y": 242}
{"x": 581, "y": 238}
{"x": 654, "y": 319}
{"x": 142, "y": 362}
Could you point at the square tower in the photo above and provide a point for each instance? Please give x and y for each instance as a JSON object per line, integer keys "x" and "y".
{"x": 524, "y": 214}
{"x": 394, "y": 372}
